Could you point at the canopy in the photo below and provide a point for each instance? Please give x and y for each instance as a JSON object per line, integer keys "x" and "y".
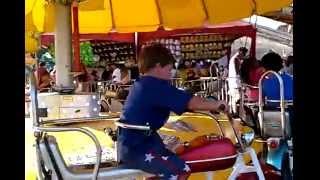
{"x": 101, "y": 16}
{"x": 238, "y": 28}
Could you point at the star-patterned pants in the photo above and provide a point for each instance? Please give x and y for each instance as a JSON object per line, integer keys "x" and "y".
{"x": 157, "y": 160}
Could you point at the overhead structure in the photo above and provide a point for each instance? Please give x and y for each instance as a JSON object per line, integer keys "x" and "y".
{"x": 103, "y": 16}
{"x": 284, "y": 15}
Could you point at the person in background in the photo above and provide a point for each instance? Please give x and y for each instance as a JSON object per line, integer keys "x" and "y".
{"x": 190, "y": 71}
{"x": 251, "y": 71}
{"x": 106, "y": 74}
{"x": 223, "y": 72}
{"x": 250, "y": 74}
{"x": 42, "y": 77}
{"x": 204, "y": 70}
{"x": 270, "y": 85}
{"x": 174, "y": 70}
{"x": 116, "y": 74}
{"x": 234, "y": 77}
{"x": 53, "y": 73}
{"x": 125, "y": 76}
{"x": 94, "y": 75}
{"x": 288, "y": 66}
{"x": 133, "y": 69}
{"x": 82, "y": 81}
{"x": 150, "y": 101}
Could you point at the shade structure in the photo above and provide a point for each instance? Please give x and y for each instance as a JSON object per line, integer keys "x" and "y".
{"x": 101, "y": 16}
{"x": 123, "y": 16}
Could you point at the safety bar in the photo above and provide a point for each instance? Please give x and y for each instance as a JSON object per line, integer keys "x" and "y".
{"x": 84, "y": 131}
{"x": 76, "y": 120}
{"x": 282, "y": 102}
{"x": 147, "y": 128}
{"x": 287, "y": 102}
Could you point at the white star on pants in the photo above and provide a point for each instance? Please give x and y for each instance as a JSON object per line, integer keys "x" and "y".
{"x": 186, "y": 168}
{"x": 149, "y": 157}
{"x": 165, "y": 157}
{"x": 173, "y": 177}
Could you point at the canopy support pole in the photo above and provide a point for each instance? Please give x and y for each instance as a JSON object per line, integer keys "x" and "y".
{"x": 253, "y": 43}
{"x": 63, "y": 50}
{"x": 76, "y": 39}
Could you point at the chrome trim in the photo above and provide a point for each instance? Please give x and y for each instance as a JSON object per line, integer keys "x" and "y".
{"x": 78, "y": 120}
{"x": 213, "y": 159}
{"x": 282, "y": 101}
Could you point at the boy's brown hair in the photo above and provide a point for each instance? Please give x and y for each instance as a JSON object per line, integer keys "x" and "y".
{"x": 152, "y": 54}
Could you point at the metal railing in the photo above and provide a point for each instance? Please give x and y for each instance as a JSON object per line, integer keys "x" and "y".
{"x": 205, "y": 86}
{"x": 282, "y": 100}
{"x": 37, "y": 125}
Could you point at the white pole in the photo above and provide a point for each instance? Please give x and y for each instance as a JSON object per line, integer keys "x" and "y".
{"x": 63, "y": 46}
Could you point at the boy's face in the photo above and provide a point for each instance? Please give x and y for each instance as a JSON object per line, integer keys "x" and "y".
{"x": 164, "y": 72}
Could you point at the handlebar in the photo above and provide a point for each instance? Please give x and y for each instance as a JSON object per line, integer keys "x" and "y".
{"x": 84, "y": 131}
{"x": 222, "y": 107}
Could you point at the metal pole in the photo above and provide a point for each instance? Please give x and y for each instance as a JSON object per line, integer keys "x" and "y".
{"x": 282, "y": 104}
{"x": 33, "y": 95}
{"x": 253, "y": 43}
{"x": 76, "y": 38}
{"x": 136, "y": 43}
{"x": 63, "y": 50}
{"x": 84, "y": 131}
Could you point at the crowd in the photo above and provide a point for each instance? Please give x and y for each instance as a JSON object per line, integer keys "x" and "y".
{"x": 238, "y": 70}
{"x": 248, "y": 71}
{"x": 121, "y": 74}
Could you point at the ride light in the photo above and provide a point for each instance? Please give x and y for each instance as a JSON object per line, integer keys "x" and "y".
{"x": 273, "y": 143}
{"x": 247, "y": 136}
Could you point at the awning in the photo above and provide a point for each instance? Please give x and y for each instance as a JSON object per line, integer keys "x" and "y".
{"x": 101, "y": 16}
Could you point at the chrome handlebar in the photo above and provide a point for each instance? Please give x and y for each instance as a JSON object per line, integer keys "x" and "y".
{"x": 238, "y": 139}
{"x": 282, "y": 101}
{"x": 84, "y": 131}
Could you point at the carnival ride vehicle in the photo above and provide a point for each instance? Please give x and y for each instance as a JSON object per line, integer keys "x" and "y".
{"x": 204, "y": 154}
{"x": 272, "y": 125}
